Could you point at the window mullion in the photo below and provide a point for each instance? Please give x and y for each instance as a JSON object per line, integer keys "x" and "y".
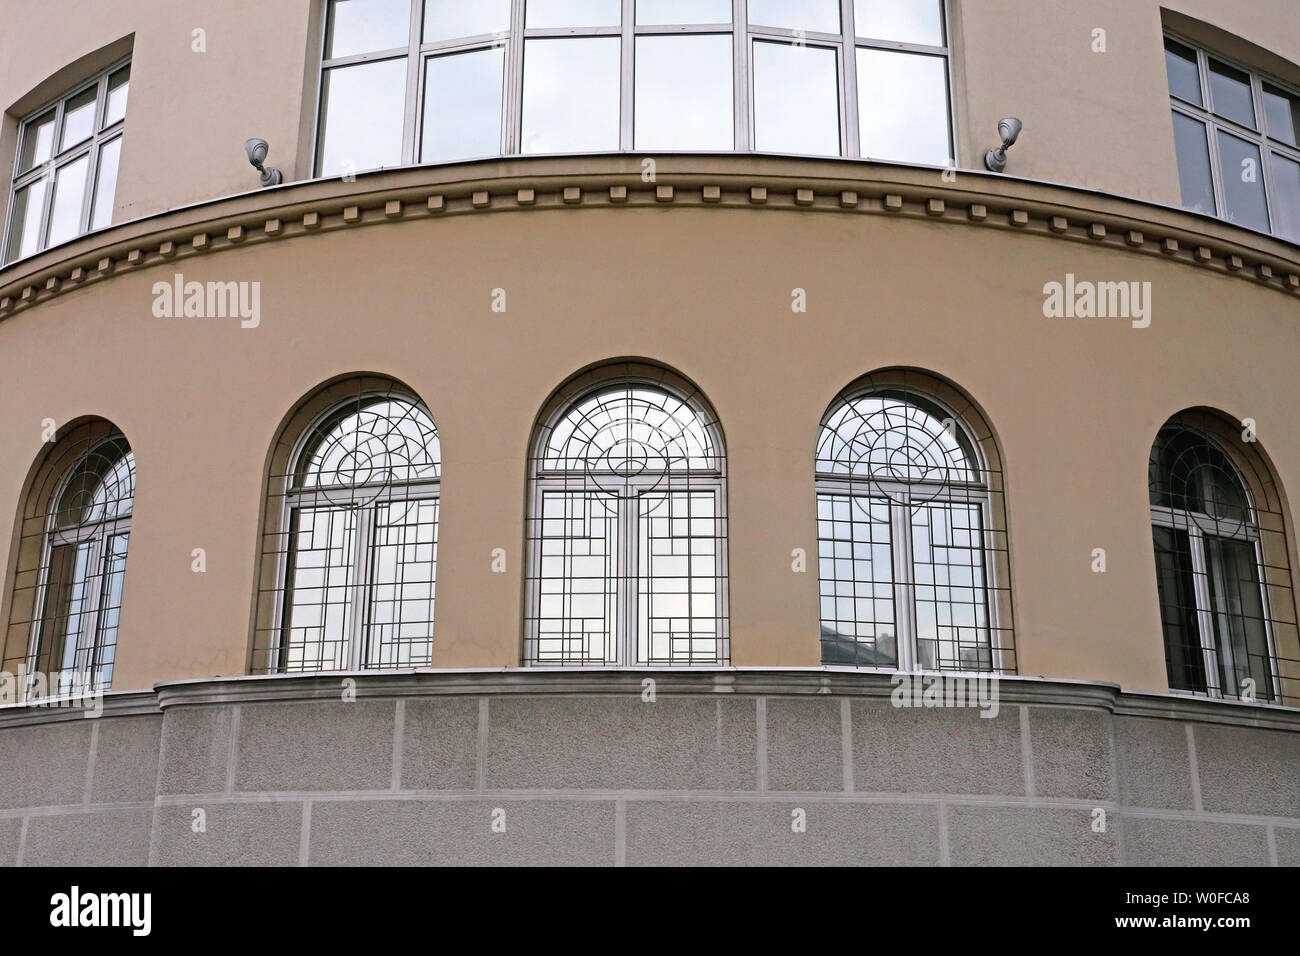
{"x": 363, "y": 528}
{"x": 627, "y": 71}
{"x": 904, "y": 592}
{"x": 851, "y": 146}
{"x": 629, "y": 579}
{"x": 414, "y": 71}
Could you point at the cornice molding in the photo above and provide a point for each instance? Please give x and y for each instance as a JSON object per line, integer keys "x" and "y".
{"x": 839, "y": 682}
{"x": 740, "y": 181}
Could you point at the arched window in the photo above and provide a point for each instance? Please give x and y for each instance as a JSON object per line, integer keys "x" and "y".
{"x": 356, "y": 546}
{"x": 86, "y": 525}
{"x": 1213, "y": 561}
{"x": 909, "y": 541}
{"x": 627, "y": 528}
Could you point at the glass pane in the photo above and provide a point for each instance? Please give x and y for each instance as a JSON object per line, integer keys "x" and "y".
{"x": 106, "y": 184}
{"x": 810, "y": 16}
{"x": 361, "y": 117}
{"x": 110, "y": 611}
{"x": 67, "y": 605}
{"x": 796, "y": 99}
{"x": 399, "y": 632}
{"x": 572, "y": 13}
{"x": 856, "y": 575}
{"x": 680, "y": 620}
{"x": 1193, "y": 164}
{"x": 1184, "y": 658}
{"x": 119, "y": 85}
{"x": 903, "y": 107}
{"x": 450, "y": 19}
{"x": 1184, "y": 73}
{"x": 1283, "y": 114}
{"x": 1243, "y": 182}
{"x": 38, "y": 142}
{"x": 577, "y": 592}
{"x": 952, "y": 628}
{"x": 366, "y": 26}
{"x": 905, "y": 21}
{"x": 79, "y": 118}
{"x": 1238, "y": 609}
{"x": 571, "y": 95}
{"x": 319, "y": 581}
{"x": 683, "y": 92}
{"x": 25, "y": 221}
{"x": 69, "y": 191}
{"x": 462, "y": 106}
{"x": 1286, "y": 197}
{"x": 1230, "y": 92}
{"x": 683, "y": 11}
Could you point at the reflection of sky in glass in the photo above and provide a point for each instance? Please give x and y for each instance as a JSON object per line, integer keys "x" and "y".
{"x": 572, "y": 13}
{"x": 79, "y": 118}
{"x": 1243, "y": 182}
{"x": 571, "y": 95}
{"x": 1283, "y": 113}
{"x": 905, "y": 21}
{"x": 362, "y": 124}
{"x": 106, "y": 184}
{"x": 1184, "y": 74}
{"x": 449, "y": 19}
{"x": 1286, "y": 196}
{"x": 1230, "y": 91}
{"x": 69, "y": 190}
{"x": 1193, "y": 164}
{"x": 683, "y": 11}
{"x": 462, "y": 106}
{"x": 25, "y": 228}
{"x": 903, "y": 107}
{"x": 119, "y": 85}
{"x": 38, "y": 142}
{"x": 366, "y": 26}
{"x": 796, "y": 99}
{"x": 683, "y": 92}
{"x": 811, "y": 16}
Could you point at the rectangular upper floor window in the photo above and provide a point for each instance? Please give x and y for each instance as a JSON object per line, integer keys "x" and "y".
{"x": 65, "y": 174}
{"x": 1237, "y": 135}
{"x": 431, "y": 81}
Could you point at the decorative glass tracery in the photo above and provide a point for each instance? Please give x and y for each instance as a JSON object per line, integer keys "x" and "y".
{"x": 357, "y": 553}
{"x": 904, "y": 537}
{"x": 627, "y": 531}
{"x": 1212, "y": 571}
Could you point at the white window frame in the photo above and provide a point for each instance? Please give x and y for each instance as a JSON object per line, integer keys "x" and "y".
{"x": 94, "y": 146}
{"x": 743, "y": 37}
{"x": 1213, "y": 123}
{"x": 365, "y": 500}
{"x": 897, "y": 495}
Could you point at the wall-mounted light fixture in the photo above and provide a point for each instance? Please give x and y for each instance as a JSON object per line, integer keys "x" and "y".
{"x": 1009, "y": 129}
{"x": 256, "y": 150}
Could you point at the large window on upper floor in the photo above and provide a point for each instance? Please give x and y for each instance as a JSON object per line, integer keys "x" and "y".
{"x": 65, "y": 174}
{"x": 1237, "y": 135}
{"x": 427, "y": 81}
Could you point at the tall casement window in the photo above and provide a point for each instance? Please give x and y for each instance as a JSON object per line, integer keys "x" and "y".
{"x": 351, "y": 549}
{"x": 65, "y": 174}
{"x": 72, "y": 551}
{"x": 1237, "y": 134}
{"x": 627, "y": 526}
{"x": 428, "y": 81}
{"x": 1221, "y": 566}
{"x": 910, "y": 532}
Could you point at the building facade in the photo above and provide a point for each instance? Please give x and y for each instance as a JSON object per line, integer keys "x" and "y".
{"x": 561, "y": 459}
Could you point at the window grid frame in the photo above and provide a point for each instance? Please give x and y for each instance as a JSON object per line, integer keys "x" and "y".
{"x": 1260, "y": 138}
{"x": 101, "y": 137}
{"x": 364, "y": 500}
{"x": 98, "y": 534}
{"x": 896, "y": 495}
{"x": 1198, "y": 526}
{"x": 744, "y": 35}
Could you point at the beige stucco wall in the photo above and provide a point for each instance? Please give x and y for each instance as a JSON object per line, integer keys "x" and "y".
{"x": 706, "y": 291}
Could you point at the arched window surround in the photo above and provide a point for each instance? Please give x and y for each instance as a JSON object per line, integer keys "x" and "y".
{"x": 1223, "y": 567}
{"x": 641, "y": 525}
{"x": 74, "y": 530}
{"x": 893, "y": 526}
{"x": 349, "y": 554}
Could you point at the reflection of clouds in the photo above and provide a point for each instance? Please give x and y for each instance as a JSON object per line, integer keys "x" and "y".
{"x": 812, "y": 16}
{"x": 796, "y": 101}
{"x": 369, "y": 27}
{"x": 571, "y": 94}
{"x": 450, "y": 19}
{"x": 462, "y": 105}
{"x": 572, "y": 13}
{"x": 904, "y": 21}
{"x": 364, "y": 106}
{"x": 902, "y": 106}
{"x": 683, "y": 92}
